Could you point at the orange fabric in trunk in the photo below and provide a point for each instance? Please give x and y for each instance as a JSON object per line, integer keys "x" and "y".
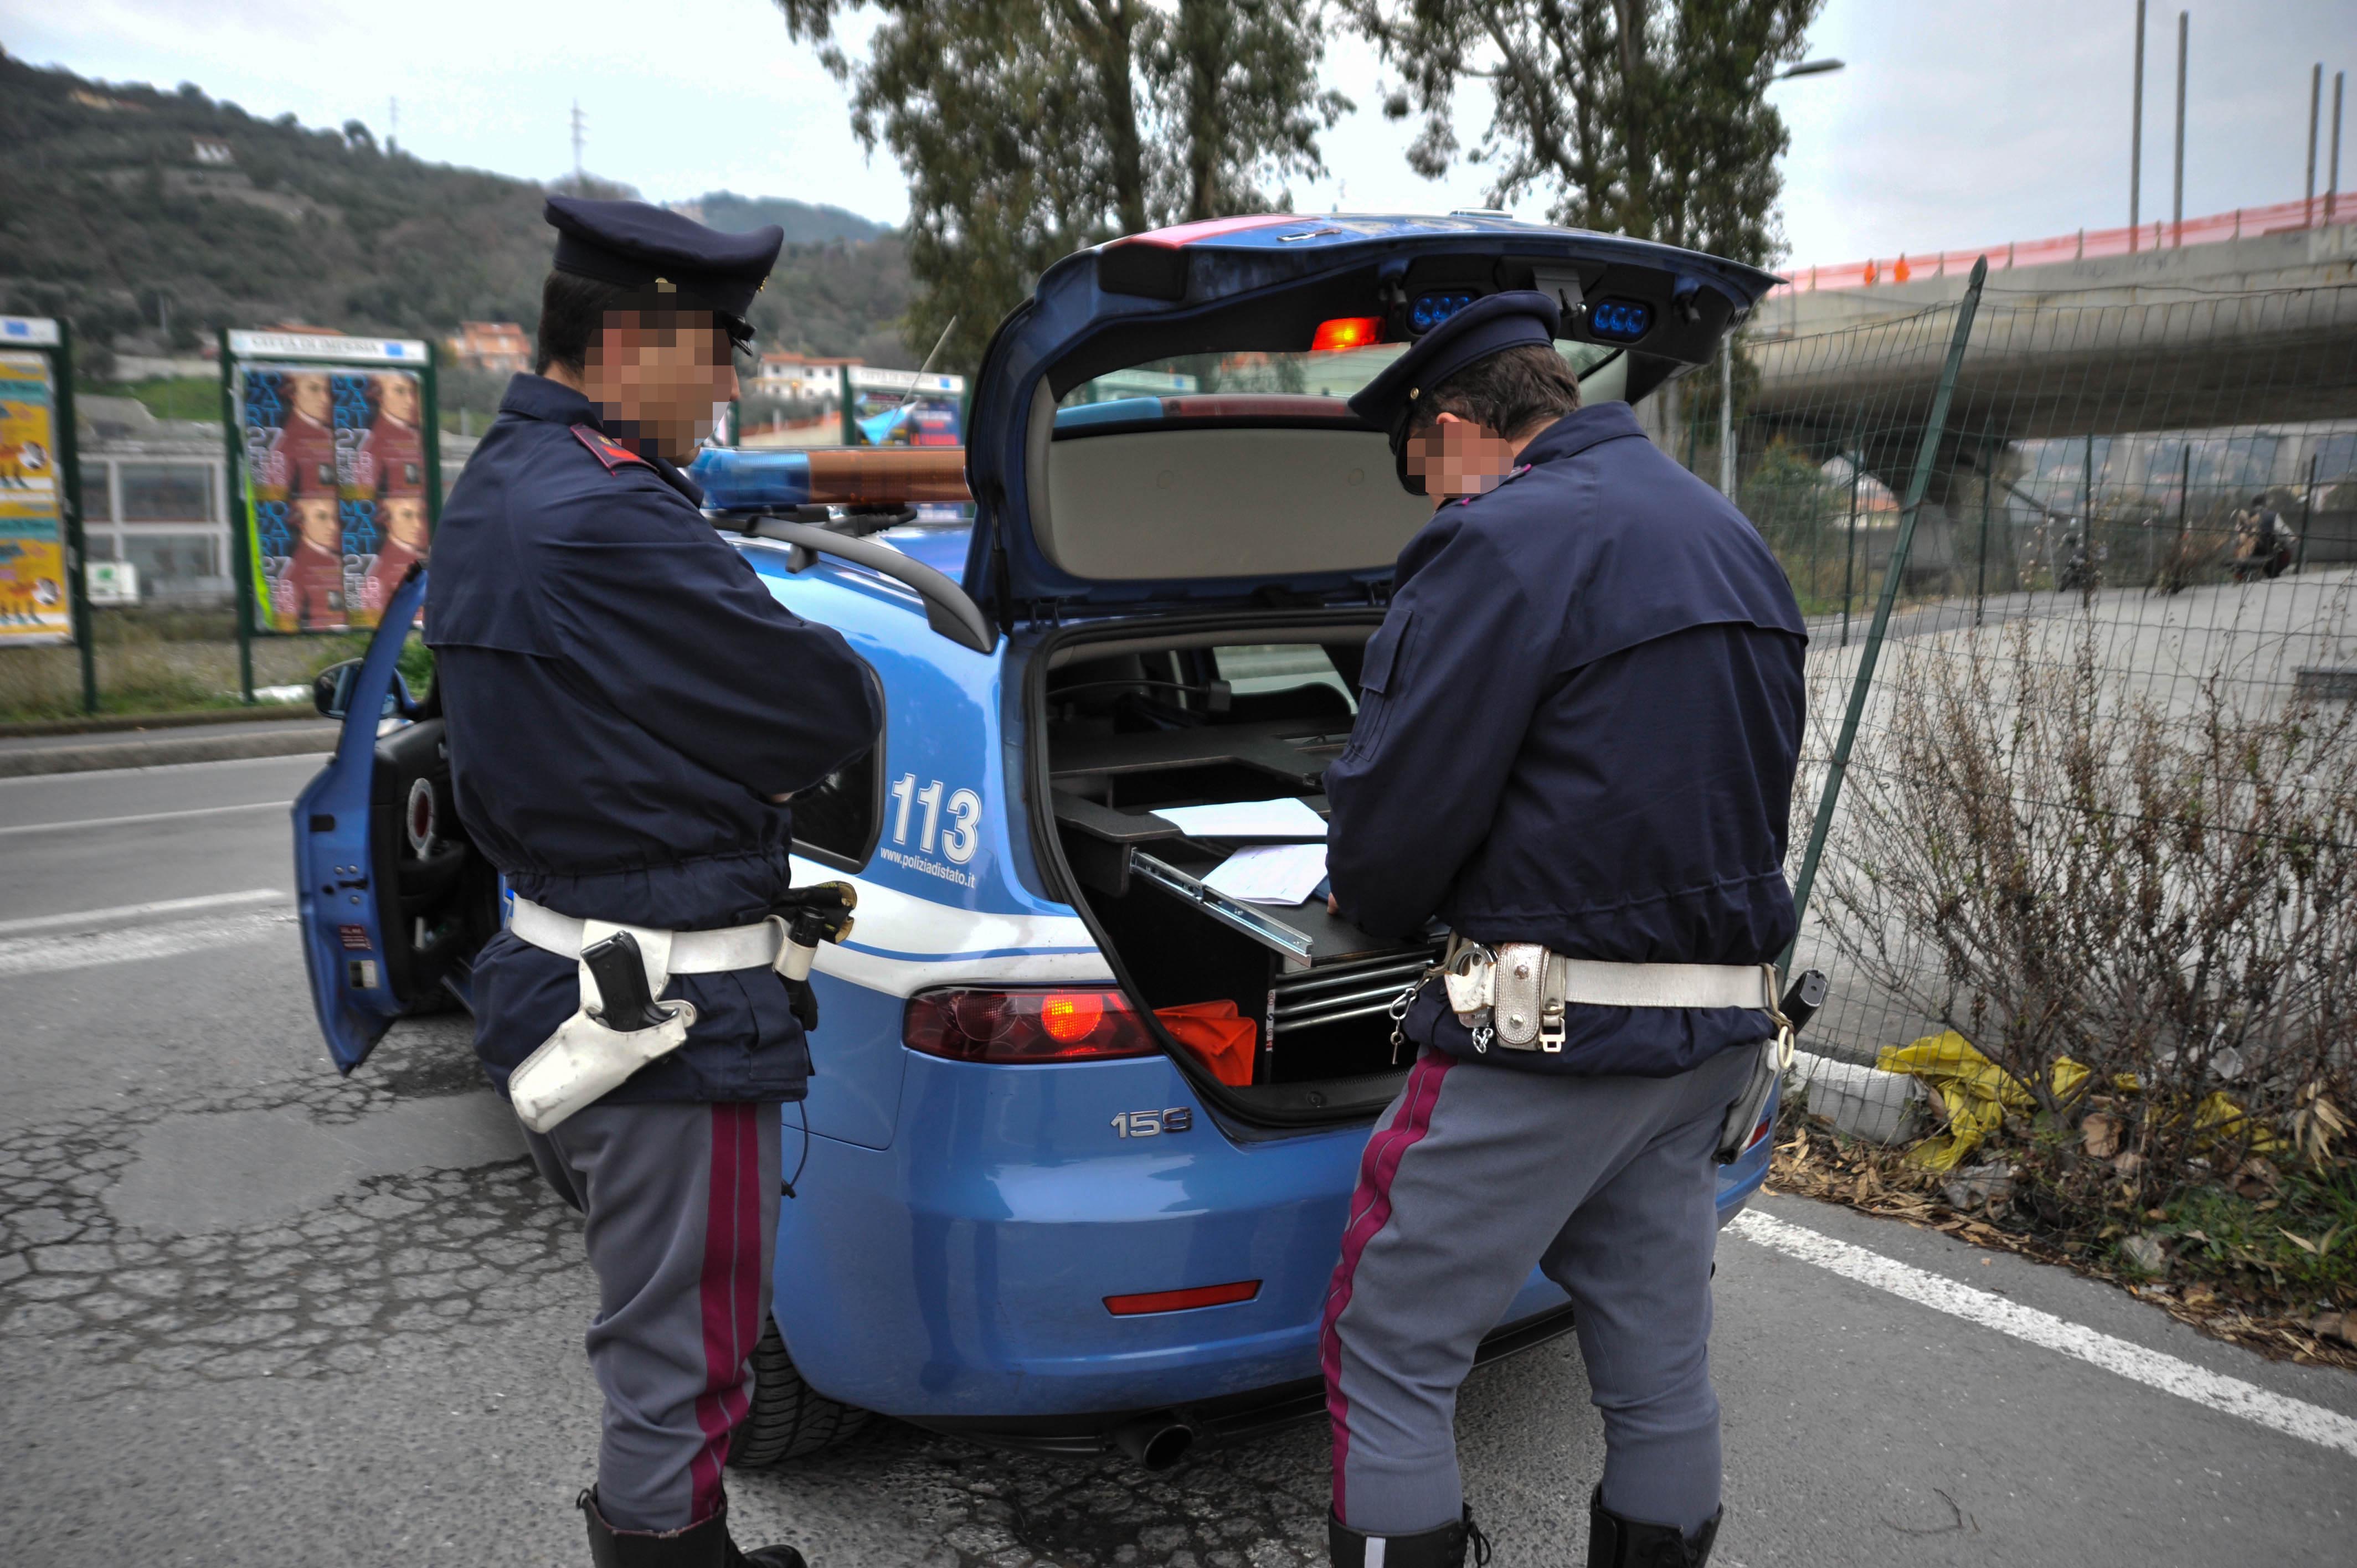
{"x": 1221, "y": 1038}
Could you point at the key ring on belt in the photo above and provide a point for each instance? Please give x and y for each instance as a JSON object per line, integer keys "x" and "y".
{"x": 1785, "y": 1034}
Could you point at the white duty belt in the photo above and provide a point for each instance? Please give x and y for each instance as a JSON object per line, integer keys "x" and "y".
{"x": 1515, "y": 995}
{"x": 755, "y": 946}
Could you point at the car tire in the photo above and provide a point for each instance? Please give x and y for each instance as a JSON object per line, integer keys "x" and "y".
{"x": 789, "y": 1419}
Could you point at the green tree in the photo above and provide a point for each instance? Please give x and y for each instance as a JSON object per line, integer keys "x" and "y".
{"x": 1030, "y": 131}
{"x": 1641, "y": 117}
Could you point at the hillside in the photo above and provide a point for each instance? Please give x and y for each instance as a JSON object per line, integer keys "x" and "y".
{"x": 804, "y": 222}
{"x": 151, "y": 218}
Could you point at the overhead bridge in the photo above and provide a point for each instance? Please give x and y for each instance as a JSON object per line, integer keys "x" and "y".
{"x": 2158, "y": 340}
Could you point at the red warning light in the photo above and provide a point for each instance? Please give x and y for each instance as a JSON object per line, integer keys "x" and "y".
{"x": 1347, "y": 332}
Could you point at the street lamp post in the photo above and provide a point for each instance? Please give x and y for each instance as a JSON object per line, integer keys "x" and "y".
{"x": 1727, "y": 357}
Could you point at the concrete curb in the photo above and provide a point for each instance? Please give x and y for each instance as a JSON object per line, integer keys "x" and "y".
{"x": 1863, "y": 1101}
{"x": 127, "y": 724}
{"x": 317, "y": 738}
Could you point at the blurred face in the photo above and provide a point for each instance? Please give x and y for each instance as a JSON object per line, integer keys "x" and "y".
{"x": 405, "y": 522}
{"x": 310, "y": 397}
{"x": 1456, "y": 457}
{"x": 661, "y": 377}
{"x": 396, "y": 398}
{"x": 316, "y": 516}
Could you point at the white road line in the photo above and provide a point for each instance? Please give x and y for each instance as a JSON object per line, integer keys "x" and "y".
{"x": 144, "y": 817}
{"x": 90, "y": 920}
{"x": 44, "y": 955}
{"x": 2154, "y": 1368}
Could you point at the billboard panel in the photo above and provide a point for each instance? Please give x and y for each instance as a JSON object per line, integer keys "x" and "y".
{"x": 336, "y": 483}
{"x": 35, "y": 606}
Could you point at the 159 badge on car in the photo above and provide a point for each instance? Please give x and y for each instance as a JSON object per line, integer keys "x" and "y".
{"x": 1153, "y": 1124}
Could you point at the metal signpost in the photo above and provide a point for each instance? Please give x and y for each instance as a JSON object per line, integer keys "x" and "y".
{"x": 335, "y": 465}
{"x": 42, "y": 560}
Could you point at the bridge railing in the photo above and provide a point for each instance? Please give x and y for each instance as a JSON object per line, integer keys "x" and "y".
{"x": 2242, "y": 223}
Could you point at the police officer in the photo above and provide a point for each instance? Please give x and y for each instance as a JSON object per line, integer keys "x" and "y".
{"x": 1576, "y": 741}
{"x": 628, "y": 711}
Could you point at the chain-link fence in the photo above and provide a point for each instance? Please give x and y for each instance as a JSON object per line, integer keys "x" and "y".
{"x": 2087, "y": 889}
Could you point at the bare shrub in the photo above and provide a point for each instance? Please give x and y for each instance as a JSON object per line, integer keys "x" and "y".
{"x": 2168, "y": 900}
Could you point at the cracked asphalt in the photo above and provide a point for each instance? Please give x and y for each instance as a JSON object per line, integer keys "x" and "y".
{"x": 253, "y": 1312}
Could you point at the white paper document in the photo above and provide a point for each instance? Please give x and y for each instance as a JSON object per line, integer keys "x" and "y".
{"x": 1288, "y": 817}
{"x": 1271, "y": 874}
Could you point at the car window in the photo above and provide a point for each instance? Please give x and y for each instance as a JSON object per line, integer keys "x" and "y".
{"x": 1280, "y": 666}
{"x": 1318, "y": 373}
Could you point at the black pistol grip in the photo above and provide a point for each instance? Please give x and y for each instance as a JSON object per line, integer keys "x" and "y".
{"x": 1802, "y": 1001}
{"x": 624, "y": 1001}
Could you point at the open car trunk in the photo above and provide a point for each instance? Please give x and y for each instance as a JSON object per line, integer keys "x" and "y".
{"x": 1183, "y": 714}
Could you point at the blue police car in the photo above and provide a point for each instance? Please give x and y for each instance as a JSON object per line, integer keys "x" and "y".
{"x": 1074, "y": 1163}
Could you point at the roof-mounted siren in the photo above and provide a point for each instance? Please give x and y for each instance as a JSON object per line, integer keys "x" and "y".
{"x": 737, "y": 478}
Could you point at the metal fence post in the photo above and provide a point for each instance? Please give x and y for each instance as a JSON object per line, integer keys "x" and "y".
{"x": 1934, "y": 423}
{"x": 2307, "y": 514}
{"x": 240, "y": 533}
{"x": 70, "y": 511}
{"x": 1989, "y": 482}
{"x": 1850, "y": 559}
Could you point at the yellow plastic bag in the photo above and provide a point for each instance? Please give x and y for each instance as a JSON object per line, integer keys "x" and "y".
{"x": 1976, "y": 1092}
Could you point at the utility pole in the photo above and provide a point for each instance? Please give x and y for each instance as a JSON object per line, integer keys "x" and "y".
{"x": 1726, "y": 418}
{"x": 2177, "y": 205}
{"x": 2315, "y": 104}
{"x": 393, "y": 124}
{"x": 2136, "y": 134}
{"x": 577, "y": 144}
{"x": 2332, "y": 188}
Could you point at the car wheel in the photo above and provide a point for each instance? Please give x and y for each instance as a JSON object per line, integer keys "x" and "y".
{"x": 789, "y": 1419}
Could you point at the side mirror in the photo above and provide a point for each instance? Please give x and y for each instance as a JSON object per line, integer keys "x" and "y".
{"x": 331, "y": 693}
{"x": 331, "y": 688}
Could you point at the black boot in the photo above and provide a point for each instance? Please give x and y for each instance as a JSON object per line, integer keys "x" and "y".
{"x": 704, "y": 1545}
{"x": 1617, "y": 1542}
{"x": 1441, "y": 1548}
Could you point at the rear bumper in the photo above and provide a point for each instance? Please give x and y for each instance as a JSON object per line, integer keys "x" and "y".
{"x": 957, "y": 1278}
{"x": 1217, "y": 1420}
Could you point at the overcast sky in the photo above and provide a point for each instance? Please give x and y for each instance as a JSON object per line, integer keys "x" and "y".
{"x": 1953, "y": 125}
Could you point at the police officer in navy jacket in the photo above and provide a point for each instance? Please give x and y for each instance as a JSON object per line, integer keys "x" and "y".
{"x": 629, "y": 712}
{"x": 1575, "y": 742}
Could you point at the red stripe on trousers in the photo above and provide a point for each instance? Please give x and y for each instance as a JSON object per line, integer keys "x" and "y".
{"x": 731, "y": 1292}
{"x": 1370, "y": 1210}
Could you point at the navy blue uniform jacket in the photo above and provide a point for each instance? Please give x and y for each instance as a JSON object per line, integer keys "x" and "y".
{"x": 1578, "y": 725}
{"x": 623, "y": 696}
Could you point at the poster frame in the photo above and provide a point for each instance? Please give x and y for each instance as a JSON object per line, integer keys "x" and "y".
{"x": 329, "y": 352}
{"x": 53, "y": 340}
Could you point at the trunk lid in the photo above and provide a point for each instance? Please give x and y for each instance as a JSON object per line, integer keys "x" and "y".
{"x": 1163, "y": 423}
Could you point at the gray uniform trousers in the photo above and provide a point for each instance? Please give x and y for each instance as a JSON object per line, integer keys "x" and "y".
{"x": 1475, "y": 1175}
{"x": 681, "y": 1204}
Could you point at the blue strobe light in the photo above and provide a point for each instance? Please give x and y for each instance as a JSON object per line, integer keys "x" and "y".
{"x": 1620, "y": 320}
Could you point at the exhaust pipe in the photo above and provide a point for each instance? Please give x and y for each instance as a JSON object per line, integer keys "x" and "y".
{"x": 1155, "y": 1442}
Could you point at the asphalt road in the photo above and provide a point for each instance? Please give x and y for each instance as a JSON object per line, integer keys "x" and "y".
{"x": 254, "y": 1313}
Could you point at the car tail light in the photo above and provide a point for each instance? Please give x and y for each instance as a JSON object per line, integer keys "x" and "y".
{"x": 1767, "y": 1123}
{"x": 1347, "y": 332}
{"x": 1013, "y": 1027}
{"x": 1181, "y": 1300}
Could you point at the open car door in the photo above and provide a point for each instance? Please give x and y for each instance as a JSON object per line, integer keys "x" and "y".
{"x": 395, "y": 899}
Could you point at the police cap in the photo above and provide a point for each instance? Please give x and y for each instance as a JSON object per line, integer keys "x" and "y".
{"x": 643, "y": 247}
{"x": 1488, "y": 326}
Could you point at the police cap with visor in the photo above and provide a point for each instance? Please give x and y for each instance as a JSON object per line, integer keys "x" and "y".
{"x": 675, "y": 261}
{"x": 1491, "y": 324}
